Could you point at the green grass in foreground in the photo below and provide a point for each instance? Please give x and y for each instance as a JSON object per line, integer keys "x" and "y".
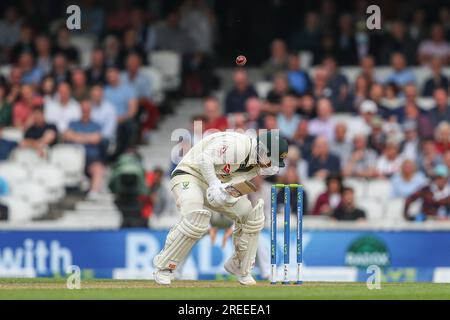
{"x": 206, "y": 290}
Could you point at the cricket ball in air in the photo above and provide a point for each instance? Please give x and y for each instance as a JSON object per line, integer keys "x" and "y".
{"x": 241, "y": 61}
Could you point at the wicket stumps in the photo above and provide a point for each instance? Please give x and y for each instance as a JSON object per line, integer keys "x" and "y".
{"x": 287, "y": 231}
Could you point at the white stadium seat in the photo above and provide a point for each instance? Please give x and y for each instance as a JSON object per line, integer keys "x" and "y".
{"x": 394, "y": 209}
{"x": 5, "y": 70}
{"x": 359, "y": 187}
{"x": 263, "y": 88}
{"x": 313, "y": 188}
{"x": 373, "y": 208}
{"x": 379, "y": 189}
{"x": 13, "y": 173}
{"x": 52, "y": 178}
{"x": 71, "y": 159}
{"x": 28, "y": 157}
{"x": 19, "y": 210}
{"x": 33, "y": 193}
{"x": 12, "y": 134}
{"x": 156, "y": 83}
{"x": 169, "y": 64}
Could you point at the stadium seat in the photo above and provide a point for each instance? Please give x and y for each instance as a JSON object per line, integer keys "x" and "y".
{"x": 379, "y": 189}
{"x": 34, "y": 194}
{"x": 52, "y": 178}
{"x": 313, "y": 188}
{"x": 12, "y": 134}
{"x": 19, "y": 210}
{"x": 13, "y": 173}
{"x": 351, "y": 73}
{"x": 71, "y": 159}
{"x": 84, "y": 44}
{"x": 169, "y": 64}
{"x": 27, "y": 157}
{"x": 156, "y": 83}
{"x": 425, "y": 103}
{"x": 373, "y": 208}
{"x": 263, "y": 88}
{"x": 5, "y": 70}
{"x": 359, "y": 187}
{"x": 306, "y": 59}
{"x": 394, "y": 209}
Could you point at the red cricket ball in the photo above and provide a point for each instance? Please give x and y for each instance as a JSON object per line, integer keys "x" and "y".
{"x": 241, "y": 60}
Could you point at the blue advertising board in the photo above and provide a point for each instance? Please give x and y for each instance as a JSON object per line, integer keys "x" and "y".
{"x": 328, "y": 255}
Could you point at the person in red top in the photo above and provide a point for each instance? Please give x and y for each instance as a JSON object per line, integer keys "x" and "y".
{"x": 331, "y": 198}
{"x": 23, "y": 108}
{"x": 215, "y": 120}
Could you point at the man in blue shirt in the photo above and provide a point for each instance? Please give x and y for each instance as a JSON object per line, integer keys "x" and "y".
{"x": 88, "y": 133}
{"x": 401, "y": 75}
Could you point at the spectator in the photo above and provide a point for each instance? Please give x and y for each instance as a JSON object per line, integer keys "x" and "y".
{"x": 442, "y": 137}
{"x": 302, "y": 139}
{"x": 39, "y": 135}
{"x": 362, "y": 160}
{"x": 278, "y": 61}
{"x": 64, "y": 46}
{"x": 441, "y": 112}
{"x": 347, "y": 53}
{"x": 279, "y": 89}
{"x": 270, "y": 122}
{"x": 294, "y": 158}
{"x": 412, "y": 113}
{"x": 88, "y": 133}
{"x": 337, "y": 83}
{"x": 429, "y": 157}
{"x": 96, "y": 74}
{"x": 80, "y": 87}
{"x": 308, "y": 38}
{"x": 214, "y": 118}
{"x": 407, "y": 181}
{"x": 9, "y": 31}
{"x": 171, "y": 36}
{"x": 287, "y": 119}
{"x": 159, "y": 197}
{"x": 436, "y": 46}
{"x": 5, "y": 108}
{"x": 253, "y": 107}
{"x": 437, "y": 80}
{"x": 25, "y": 43}
{"x": 390, "y": 161}
{"x": 401, "y": 74}
{"x": 399, "y": 41}
{"x": 340, "y": 145}
{"x": 321, "y": 162}
{"x": 418, "y": 24}
{"x": 299, "y": 79}
{"x": 112, "y": 52}
{"x": 145, "y": 30}
{"x": 347, "y": 210}
{"x": 323, "y": 125}
{"x": 307, "y": 107}
{"x": 291, "y": 176}
{"x": 24, "y": 106}
{"x": 103, "y": 113}
{"x": 130, "y": 45}
{"x": 329, "y": 200}
{"x": 62, "y": 110}
{"x": 44, "y": 54}
{"x": 359, "y": 94}
{"x": 124, "y": 98}
{"x": 411, "y": 144}
{"x": 242, "y": 90}
{"x": 377, "y": 137}
{"x": 60, "y": 72}
{"x": 134, "y": 77}
{"x": 320, "y": 89}
{"x": 47, "y": 88}
{"x": 435, "y": 197}
{"x": 30, "y": 73}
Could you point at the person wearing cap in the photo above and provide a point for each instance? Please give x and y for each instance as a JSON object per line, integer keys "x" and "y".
{"x": 435, "y": 197}
{"x": 206, "y": 180}
{"x": 410, "y": 144}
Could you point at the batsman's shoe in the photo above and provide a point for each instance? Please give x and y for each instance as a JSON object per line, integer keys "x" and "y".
{"x": 163, "y": 277}
{"x": 231, "y": 266}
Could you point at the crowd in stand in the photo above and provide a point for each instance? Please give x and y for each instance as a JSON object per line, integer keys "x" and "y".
{"x": 108, "y": 106}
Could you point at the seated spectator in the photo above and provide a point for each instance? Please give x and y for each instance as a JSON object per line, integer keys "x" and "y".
{"x": 340, "y": 145}
{"x": 103, "y": 113}
{"x": 408, "y": 180}
{"x": 346, "y": 46}
{"x": 435, "y": 197}
{"x": 328, "y": 201}
{"x": 377, "y": 137}
{"x": 302, "y": 139}
{"x": 362, "y": 123}
{"x": 362, "y": 161}
{"x": 323, "y": 125}
{"x": 47, "y": 88}
{"x": 437, "y": 79}
{"x": 43, "y": 54}
{"x": 347, "y": 211}
{"x": 411, "y": 143}
{"x": 359, "y": 94}
{"x": 159, "y": 196}
{"x": 278, "y": 61}
{"x": 291, "y": 176}
{"x": 214, "y": 118}
{"x": 288, "y": 120}
{"x": 5, "y": 108}
{"x": 60, "y": 71}
{"x": 279, "y": 90}
{"x": 299, "y": 79}
{"x": 367, "y": 65}
{"x": 64, "y": 45}
{"x": 412, "y": 113}
{"x": 63, "y": 109}
{"x": 171, "y": 36}
{"x": 10, "y": 29}
{"x": 390, "y": 161}
{"x": 321, "y": 162}
{"x": 112, "y": 52}
{"x": 25, "y": 43}
{"x": 308, "y": 37}
{"x": 401, "y": 74}
{"x": 133, "y": 76}
{"x": 96, "y": 74}
{"x": 253, "y": 107}
{"x": 442, "y": 137}
{"x": 398, "y": 40}
{"x": 428, "y": 157}
{"x": 442, "y": 110}
{"x": 320, "y": 81}
{"x": 307, "y": 107}
{"x": 88, "y": 133}
{"x": 30, "y": 73}
{"x": 436, "y": 46}
{"x": 24, "y": 106}
{"x": 130, "y": 45}
{"x": 270, "y": 122}
{"x": 338, "y": 86}
{"x": 80, "y": 88}
{"x": 124, "y": 98}
{"x": 295, "y": 158}
{"x": 39, "y": 134}
{"x": 241, "y": 91}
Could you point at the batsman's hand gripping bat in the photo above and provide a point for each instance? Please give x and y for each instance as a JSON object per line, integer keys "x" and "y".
{"x": 238, "y": 189}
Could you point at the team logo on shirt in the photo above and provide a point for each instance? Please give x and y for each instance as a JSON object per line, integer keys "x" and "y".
{"x": 227, "y": 168}
{"x": 222, "y": 150}
{"x": 185, "y": 185}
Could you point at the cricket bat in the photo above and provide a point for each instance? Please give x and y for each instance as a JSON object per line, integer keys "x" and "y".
{"x": 239, "y": 189}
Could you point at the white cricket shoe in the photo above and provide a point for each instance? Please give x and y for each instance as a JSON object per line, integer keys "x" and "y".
{"x": 163, "y": 277}
{"x": 232, "y": 267}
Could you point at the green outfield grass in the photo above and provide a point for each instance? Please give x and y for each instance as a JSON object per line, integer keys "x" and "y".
{"x": 204, "y": 290}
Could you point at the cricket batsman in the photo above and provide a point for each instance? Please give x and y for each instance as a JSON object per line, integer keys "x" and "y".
{"x": 215, "y": 176}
